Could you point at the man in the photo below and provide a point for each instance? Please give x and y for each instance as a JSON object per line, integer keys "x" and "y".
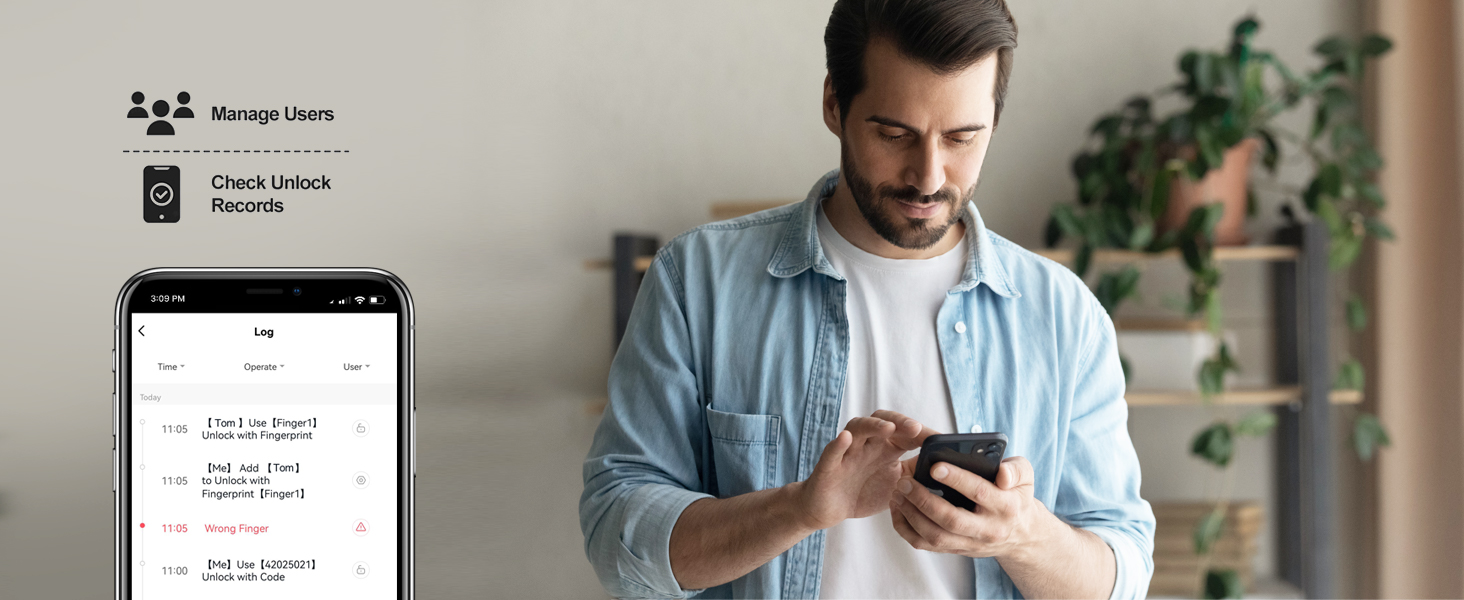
{"x": 779, "y": 366}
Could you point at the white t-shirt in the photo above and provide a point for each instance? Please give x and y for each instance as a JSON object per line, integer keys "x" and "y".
{"x": 894, "y": 364}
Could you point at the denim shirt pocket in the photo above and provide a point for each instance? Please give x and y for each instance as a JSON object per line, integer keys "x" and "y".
{"x": 744, "y": 451}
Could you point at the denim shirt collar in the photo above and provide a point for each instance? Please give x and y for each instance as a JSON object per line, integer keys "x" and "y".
{"x": 799, "y": 249}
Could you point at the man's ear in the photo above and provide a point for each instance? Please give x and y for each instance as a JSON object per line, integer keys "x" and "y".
{"x": 831, "y": 108}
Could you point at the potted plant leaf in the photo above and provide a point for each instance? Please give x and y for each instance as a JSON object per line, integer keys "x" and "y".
{"x": 1182, "y": 181}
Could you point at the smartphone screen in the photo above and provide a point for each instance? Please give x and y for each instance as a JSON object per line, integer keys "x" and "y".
{"x": 265, "y": 435}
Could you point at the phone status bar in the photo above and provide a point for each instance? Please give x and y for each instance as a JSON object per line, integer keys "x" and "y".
{"x": 360, "y": 300}
{"x": 339, "y": 295}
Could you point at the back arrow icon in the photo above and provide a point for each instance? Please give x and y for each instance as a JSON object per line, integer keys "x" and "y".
{"x": 139, "y": 331}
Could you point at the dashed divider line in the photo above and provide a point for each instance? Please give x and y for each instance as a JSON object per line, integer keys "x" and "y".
{"x": 240, "y": 151}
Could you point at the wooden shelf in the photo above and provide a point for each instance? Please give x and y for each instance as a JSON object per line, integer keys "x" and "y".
{"x": 1266, "y": 396}
{"x": 642, "y": 264}
{"x": 1158, "y": 324}
{"x": 1222, "y": 254}
{"x": 1276, "y": 396}
{"x": 1242, "y": 397}
{"x": 731, "y": 209}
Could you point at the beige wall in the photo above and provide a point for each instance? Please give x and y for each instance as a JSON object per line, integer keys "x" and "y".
{"x": 1420, "y": 303}
{"x": 494, "y": 147}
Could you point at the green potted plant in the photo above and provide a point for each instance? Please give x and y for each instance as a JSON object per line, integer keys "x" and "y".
{"x": 1182, "y": 181}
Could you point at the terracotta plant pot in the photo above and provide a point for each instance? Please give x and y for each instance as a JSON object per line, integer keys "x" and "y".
{"x": 1225, "y": 185}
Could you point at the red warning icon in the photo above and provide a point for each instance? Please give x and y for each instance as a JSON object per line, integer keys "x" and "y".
{"x": 361, "y": 527}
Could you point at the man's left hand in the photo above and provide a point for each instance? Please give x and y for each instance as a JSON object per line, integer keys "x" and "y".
{"x": 1008, "y": 521}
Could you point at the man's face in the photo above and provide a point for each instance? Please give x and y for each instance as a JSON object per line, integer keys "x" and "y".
{"x": 913, "y": 143}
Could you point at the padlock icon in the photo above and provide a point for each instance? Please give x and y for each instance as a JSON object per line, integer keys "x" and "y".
{"x": 361, "y": 570}
{"x": 361, "y": 428}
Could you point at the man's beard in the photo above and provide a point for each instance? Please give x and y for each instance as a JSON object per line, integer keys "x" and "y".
{"x": 877, "y": 206}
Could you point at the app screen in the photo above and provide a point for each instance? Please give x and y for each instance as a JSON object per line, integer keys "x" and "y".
{"x": 263, "y": 455}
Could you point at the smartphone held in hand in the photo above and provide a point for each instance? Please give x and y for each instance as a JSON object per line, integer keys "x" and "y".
{"x": 979, "y": 453}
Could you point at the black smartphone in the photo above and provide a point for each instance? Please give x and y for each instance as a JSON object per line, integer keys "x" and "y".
{"x": 979, "y": 453}
{"x": 161, "y": 201}
{"x": 264, "y": 434}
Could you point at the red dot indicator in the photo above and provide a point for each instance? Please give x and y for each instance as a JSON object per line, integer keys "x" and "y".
{"x": 142, "y": 524}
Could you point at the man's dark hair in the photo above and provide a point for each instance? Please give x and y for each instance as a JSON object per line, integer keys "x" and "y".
{"x": 945, "y": 35}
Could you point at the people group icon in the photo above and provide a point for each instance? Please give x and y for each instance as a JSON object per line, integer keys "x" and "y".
{"x": 160, "y": 110}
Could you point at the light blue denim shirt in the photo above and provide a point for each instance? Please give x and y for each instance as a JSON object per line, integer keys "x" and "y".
{"x": 731, "y": 374}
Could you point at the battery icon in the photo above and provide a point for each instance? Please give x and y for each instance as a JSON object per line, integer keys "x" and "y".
{"x": 378, "y": 299}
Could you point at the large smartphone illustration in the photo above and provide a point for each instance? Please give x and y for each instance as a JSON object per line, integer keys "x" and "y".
{"x": 161, "y": 199}
{"x": 265, "y": 434}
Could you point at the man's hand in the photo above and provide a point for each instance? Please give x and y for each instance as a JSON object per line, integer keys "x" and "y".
{"x": 717, "y": 540}
{"x": 1045, "y": 557}
{"x": 1007, "y": 519}
{"x": 857, "y": 473}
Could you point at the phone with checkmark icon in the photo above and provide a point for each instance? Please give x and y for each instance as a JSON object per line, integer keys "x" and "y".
{"x": 160, "y": 195}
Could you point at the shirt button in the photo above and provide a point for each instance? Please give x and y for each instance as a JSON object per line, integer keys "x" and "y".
{"x": 975, "y": 429}
{"x": 960, "y": 327}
